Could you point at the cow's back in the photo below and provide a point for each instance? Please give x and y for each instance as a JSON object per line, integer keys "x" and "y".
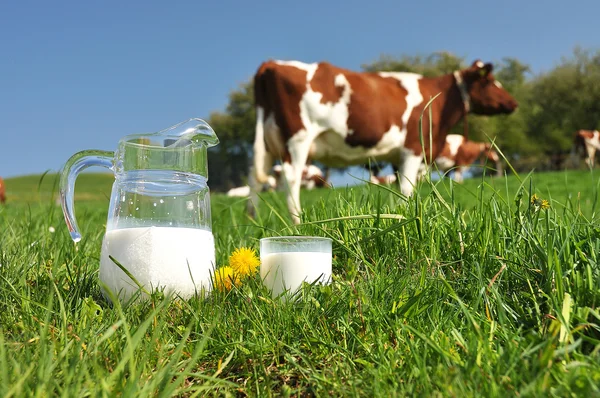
{"x": 448, "y": 156}
{"x": 278, "y": 90}
{"x": 468, "y": 152}
{"x": 2, "y": 191}
{"x": 360, "y": 107}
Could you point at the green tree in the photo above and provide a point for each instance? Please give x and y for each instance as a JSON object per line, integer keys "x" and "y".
{"x": 235, "y": 128}
{"x": 510, "y": 132}
{"x": 512, "y": 73}
{"x": 435, "y": 64}
{"x": 564, "y": 100}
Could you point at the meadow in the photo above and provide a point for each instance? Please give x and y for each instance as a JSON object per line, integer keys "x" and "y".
{"x": 488, "y": 288}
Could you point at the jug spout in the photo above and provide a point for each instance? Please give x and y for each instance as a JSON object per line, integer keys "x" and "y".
{"x": 179, "y": 148}
{"x": 192, "y": 131}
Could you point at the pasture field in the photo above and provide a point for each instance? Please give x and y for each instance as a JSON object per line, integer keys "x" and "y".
{"x": 470, "y": 290}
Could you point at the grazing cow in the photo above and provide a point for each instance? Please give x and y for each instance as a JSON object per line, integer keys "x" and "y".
{"x": 587, "y": 142}
{"x": 385, "y": 180}
{"x": 339, "y": 118}
{"x": 244, "y": 190}
{"x": 459, "y": 153}
{"x": 312, "y": 177}
{"x": 2, "y": 191}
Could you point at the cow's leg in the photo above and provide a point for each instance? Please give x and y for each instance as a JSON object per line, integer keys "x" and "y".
{"x": 422, "y": 171}
{"x": 255, "y": 185}
{"x": 271, "y": 183}
{"x": 407, "y": 172}
{"x": 591, "y": 154}
{"x": 458, "y": 173}
{"x": 298, "y": 148}
{"x": 261, "y": 163}
{"x": 327, "y": 174}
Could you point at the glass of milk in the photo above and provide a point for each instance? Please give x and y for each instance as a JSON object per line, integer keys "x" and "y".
{"x": 159, "y": 223}
{"x": 287, "y": 261}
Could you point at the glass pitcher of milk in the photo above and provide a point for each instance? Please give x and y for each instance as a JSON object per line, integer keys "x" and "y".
{"x": 159, "y": 223}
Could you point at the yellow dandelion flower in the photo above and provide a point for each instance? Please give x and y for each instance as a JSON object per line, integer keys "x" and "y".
{"x": 244, "y": 261}
{"x": 225, "y": 278}
{"x": 534, "y": 199}
{"x": 545, "y": 204}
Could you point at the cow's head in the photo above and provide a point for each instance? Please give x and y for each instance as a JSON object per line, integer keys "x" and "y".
{"x": 486, "y": 94}
{"x": 490, "y": 154}
{"x": 492, "y": 158}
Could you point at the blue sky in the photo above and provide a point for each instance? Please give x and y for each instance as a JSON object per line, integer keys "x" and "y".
{"x": 78, "y": 75}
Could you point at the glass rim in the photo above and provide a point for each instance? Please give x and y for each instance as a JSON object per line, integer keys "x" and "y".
{"x": 296, "y": 238}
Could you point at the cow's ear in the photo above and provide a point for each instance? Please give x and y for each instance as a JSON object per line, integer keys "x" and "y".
{"x": 488, "y": 68}
{"x": 482, "y": 69}
{"x": 477, "y": 65}
{"x": 476, "y": 71}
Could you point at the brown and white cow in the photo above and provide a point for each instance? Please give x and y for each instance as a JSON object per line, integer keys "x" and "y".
{"x": 459, "y": 154}
{"x": 312, "y": 177}
{"x": 2, "y": 191}
{"x": 339, "y": 117}
{"x": 385, "y": 180}
{"x": 587, "y": 142}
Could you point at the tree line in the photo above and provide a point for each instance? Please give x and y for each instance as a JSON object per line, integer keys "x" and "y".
{"x": 553, "y": 105}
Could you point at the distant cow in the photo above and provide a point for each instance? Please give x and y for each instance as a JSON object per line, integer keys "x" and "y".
{"x": 2, "y": 191}
{"x": 340, "y": 118}
{"x": 587, "y": 142}
{"x": 385, "y": 180}
{"x": 459, "y": 154}
{"x": 244, "y": 191}
{"x": 312, "y": 177}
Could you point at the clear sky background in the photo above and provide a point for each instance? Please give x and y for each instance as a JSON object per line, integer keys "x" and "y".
{"x": 78, "y": 75}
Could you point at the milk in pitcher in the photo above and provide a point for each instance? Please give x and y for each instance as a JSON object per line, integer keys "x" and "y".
{"x": 181, "y": 258}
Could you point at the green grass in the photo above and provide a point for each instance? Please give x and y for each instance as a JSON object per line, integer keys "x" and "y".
{"x": 464, "y": 290}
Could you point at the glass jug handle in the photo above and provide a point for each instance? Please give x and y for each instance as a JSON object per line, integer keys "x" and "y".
{"x": 76, "y": 164}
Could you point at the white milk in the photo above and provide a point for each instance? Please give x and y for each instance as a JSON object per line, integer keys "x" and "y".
{"x": 287, "y": 271}
{"x": 179, "y": 259}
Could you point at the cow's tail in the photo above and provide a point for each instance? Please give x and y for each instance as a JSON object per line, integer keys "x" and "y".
{"x": 260, "y": 149}
{"x": 578, "y": 150}
{"x": 578, "y": 143}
